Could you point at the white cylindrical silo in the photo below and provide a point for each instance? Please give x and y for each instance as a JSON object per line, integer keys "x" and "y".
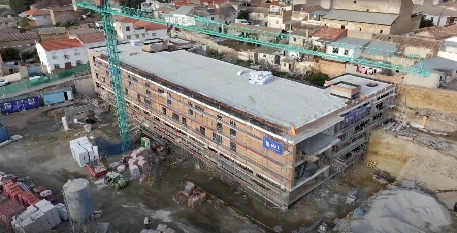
{"x": 78, "y": 198}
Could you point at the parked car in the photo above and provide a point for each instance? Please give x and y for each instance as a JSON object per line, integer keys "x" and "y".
{"x": 4, "y": 82}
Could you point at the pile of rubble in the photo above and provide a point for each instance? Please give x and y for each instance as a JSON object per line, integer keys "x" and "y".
{"x": 427, "y": 142}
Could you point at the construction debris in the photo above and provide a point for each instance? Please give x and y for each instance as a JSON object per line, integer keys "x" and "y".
{"x": 350, "y": 199}
{"x": 379, "y": 179}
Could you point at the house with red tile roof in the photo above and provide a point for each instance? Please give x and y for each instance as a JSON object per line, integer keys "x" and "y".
{"x": 329, "y": 34}
{"x": 62, "y": 54}
{"x": 91, "y": 40}
{"x": 132, "y": 29}
{"x": 38, "y": 17}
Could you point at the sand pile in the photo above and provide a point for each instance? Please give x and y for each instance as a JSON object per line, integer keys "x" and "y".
{"x": 401, "y": 210}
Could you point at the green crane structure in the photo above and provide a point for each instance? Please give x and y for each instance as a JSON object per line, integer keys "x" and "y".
{"x": 241, "y": 33}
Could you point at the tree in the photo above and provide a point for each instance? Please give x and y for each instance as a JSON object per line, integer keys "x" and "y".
{"x": 31, "y": 54}
{"x": 131, "y": 3}
{"x": 19, "y": 6}
{"x": 9, "y": 54}
{"x": 318, "y": 78}
{"x": 426, "y": 23}
{"x": 23, "y": 22}
{"x": 243, "y": 15}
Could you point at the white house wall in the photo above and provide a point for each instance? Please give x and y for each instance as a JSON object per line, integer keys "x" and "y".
{"x": 180, "y": 19}
{"x": 57, "y": 57}
{"x": 42, "y": 20}
{"x": 353, "y": 53}
{"x": 448, "y": 55}
{"x": 435, "y": 18}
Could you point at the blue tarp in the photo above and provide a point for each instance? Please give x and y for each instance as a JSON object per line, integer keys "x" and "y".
{"x": 108, "y": 148}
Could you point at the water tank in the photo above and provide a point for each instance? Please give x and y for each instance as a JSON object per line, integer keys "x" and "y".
{"x": 78, "y": 198}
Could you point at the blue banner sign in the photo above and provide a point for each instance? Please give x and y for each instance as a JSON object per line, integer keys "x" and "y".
{"x": 272, "y": 145}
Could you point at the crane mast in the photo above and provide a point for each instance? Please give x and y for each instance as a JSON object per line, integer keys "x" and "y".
{"x": 116, "y": 75}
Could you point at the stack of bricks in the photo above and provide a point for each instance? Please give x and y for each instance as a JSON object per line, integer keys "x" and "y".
{"x": 8, "y": 210}
{"x": 140, "y": 158}
{"x": 12, "y": 190}
{"x": 26, "y": 198}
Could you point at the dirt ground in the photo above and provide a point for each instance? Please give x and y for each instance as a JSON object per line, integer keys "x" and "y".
{"x": 43, "y": 158}
{"x": 434, "y": 170}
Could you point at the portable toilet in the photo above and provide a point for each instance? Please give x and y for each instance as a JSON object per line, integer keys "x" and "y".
{"x": 57, "y": 96}
{"x": 4, "y": 136}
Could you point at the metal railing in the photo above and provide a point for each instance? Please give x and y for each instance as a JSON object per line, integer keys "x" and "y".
{"x": 27, "y": 84}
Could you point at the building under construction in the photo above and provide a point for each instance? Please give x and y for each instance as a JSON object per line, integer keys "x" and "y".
{"x": 279, "y": 140}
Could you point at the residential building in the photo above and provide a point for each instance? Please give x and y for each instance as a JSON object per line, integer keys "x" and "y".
{"x": 276, "y": 21}
{"x": 8, "y": 30}
{"x": 328, "y": 34}
{"x": 90, "y": 40}
{"x": 258, "y": 15}
{"x": 306, "y": 16}
{"x": 372, "y": 16}
{"x": 23, "y": 70}
{"x": 225, "y": 14}
{"x": 278, "y": 7}
{"x": 238, "y": 29}
{"x": 325, "y": 4}
{"x": 53, "y": 34}
{"x": 449, "y": 49}
{"x": 38, "y": 17}
{"x": 300, "y": 35}
{"x": 132, "y": 29}
{"x": 64, "y": 15}
{"x": 8, "y": 22}
{"x": 19, "y": 40}
{"x": 183, "y": 16}
{"x": 278, "y": 153}
{"x": 408, "y": 46}
{"x": 267, "y": 55}
{"x": 437, "y": 33}
{"x": 442, "y": 71}
{"x": 347, "y": 47}
{"x": 74, "y": 32}
{"x": 56, "y": 56}
{"x": 396, "y": 50}
{"x": 50, "y": 3}
{"x": 440, "y": 16}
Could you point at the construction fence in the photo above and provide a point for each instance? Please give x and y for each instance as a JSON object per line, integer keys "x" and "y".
{"x": 27, "y": 84}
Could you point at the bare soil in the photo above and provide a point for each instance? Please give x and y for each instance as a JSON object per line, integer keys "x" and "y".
{"x": 43, "y": 158}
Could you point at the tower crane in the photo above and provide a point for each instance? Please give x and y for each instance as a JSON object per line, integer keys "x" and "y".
{"x": 250, "y": 34}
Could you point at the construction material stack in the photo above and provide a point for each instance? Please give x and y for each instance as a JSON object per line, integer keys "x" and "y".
{"x": 41, "y": 217}
{"x": 83, "y": 151}
{"x": 63, "y": 212}
{"x": 8, "y": 210}
{"x": 134, "y": 172}
{"x": 197, "y": 198}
